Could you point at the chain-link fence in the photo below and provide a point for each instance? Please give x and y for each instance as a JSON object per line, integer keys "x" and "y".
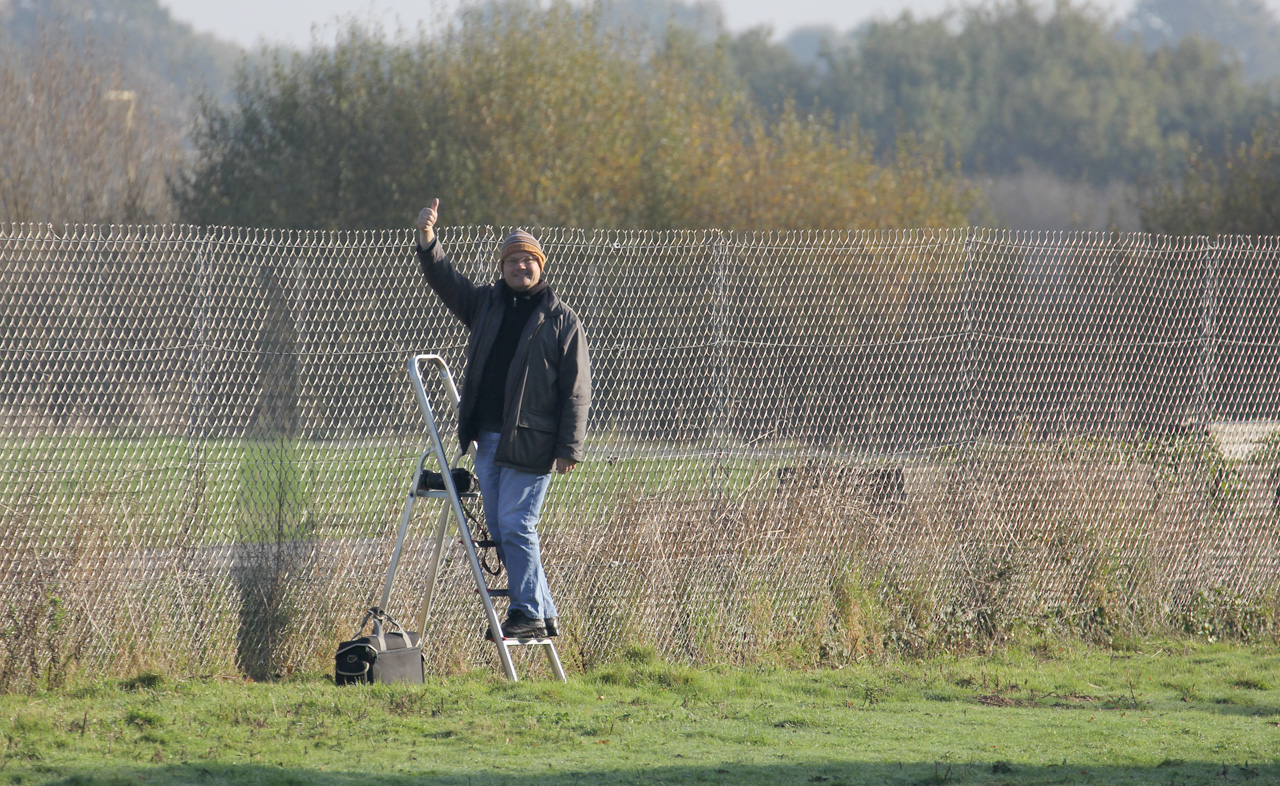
{"x": 814, "y": 443}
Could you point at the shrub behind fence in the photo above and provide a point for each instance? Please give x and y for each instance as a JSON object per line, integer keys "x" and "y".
{"x": 819, "y": 444}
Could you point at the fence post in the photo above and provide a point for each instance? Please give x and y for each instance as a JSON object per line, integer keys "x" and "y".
{"x": 964, "y": 461}
{"x": 197, "y": 385}
{"x": 196, "y": 406}
{"x": 1207, "y": 360}
{"x": 1207, "y": 553}
{"x": 966, "y": 306}
{"x": 720, "y": 436}
{"x": 1111, "y": 417}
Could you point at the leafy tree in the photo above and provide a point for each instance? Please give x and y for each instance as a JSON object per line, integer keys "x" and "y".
{"x": 772, "y": 76}
{"x": 86, "y": 138}
{"x": 1236, "y": 193}
{"x": 902, "y": 76}
{"x": 807, "y": 44}
{"x": 318, "y": 139}
{"x": 1009, "y": 85}
{"x": 541, "y": 116}
{"x": 1244, "y": 28}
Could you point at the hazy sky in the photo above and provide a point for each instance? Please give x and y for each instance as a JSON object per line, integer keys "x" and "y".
{"x": 290, "y": 21}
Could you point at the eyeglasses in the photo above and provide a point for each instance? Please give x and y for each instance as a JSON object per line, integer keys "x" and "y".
{"x": 517, "y": 260}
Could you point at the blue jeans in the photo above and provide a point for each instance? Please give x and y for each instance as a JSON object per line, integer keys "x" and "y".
{"x": 512, "y": 503}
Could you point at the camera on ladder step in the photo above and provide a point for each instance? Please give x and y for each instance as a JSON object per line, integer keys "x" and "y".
{"x": 388, "y": 654}
{"x": 463, "y": 481}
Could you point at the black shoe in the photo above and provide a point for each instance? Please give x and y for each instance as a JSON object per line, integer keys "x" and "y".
{"x": 521, "y": 626}
{"x": 550, "y": 622}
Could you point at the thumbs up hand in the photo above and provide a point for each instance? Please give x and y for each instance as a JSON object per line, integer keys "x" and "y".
{"x": 427, "y": 222}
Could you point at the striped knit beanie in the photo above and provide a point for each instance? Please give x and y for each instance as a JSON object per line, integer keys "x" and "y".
{"x": 521, "y": 240}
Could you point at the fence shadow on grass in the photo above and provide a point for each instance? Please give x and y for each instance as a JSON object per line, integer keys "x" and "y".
{"x": 997, "y": 773}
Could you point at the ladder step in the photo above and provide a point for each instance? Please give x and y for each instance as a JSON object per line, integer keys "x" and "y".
{"x": 498, "y": 592}
{"x": 440, "y": 494}
{"x": 485, "y": 544}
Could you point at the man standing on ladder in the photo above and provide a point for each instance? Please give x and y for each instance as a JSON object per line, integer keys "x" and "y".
{"x": 524, "y": 401}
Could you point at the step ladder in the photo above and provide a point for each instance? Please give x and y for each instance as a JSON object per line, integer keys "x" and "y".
{"x": 453, "y": 512}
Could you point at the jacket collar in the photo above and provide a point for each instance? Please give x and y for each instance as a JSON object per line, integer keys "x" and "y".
{"x": 534, "y": 291}
{"x": 550, "y": 300}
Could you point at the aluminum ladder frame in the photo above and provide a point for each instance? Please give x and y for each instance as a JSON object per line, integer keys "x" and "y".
{"x": 453, "y": 510}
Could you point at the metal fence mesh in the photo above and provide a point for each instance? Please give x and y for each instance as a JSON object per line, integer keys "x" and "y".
{"x": 207, "y": 436}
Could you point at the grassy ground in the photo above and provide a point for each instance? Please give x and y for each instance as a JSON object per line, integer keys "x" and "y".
{"x": 143, "y": 490}
{"x": 1163, "y": 713}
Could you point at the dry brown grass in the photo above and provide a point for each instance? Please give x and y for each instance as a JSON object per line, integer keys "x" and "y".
{"x": 981, "y": 548}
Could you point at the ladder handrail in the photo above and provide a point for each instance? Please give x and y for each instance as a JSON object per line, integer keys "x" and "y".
{"x": 420, "y": 390}
{"x": 436, "y": 448}
{"x": 443, "y": 369}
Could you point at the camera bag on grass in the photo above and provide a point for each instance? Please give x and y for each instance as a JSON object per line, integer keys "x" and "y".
{"x": 388, "y": 654}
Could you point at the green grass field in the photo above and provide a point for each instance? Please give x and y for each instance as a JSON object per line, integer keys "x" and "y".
{"x": 157, "y": 492}
{"x": 1159, "y": 713}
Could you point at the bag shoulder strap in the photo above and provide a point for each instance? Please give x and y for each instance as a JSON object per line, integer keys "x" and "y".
{"x": 388, "y": 624}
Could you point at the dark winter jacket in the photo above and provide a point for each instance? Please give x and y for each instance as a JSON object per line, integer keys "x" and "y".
{"x": 548, "y": 388}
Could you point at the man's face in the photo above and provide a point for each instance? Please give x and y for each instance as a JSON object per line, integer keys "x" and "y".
{"x": 521, "y": 271}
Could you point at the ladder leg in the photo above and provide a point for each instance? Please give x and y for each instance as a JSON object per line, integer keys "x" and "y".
{"x": 556, "y": 668}
{"x": 504, "y": 654}
{"x": 491, "y": 614}
{"x": 433, "y": 567}
{"x": 477, "y": 573}
{"x": 395, "y": 554}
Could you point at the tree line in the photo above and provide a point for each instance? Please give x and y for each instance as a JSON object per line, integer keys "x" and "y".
{"x": 548, "y": 116}
{"x": 563, "y": 116}
{"x": 1008, "y": 85}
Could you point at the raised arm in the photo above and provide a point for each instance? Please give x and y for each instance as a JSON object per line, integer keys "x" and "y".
{"x": 458, "y": 293}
